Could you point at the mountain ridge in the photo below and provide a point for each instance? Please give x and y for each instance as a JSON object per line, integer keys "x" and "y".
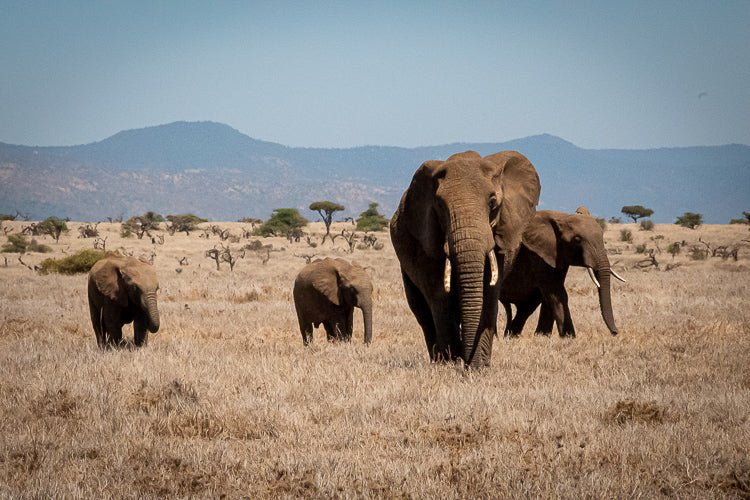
{"x": 217, "y": 171}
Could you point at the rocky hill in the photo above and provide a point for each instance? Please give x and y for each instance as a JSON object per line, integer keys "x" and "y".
{"x": 216, "y": 171}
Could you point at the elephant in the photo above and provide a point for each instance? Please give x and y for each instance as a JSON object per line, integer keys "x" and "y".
{"x": 327, "y": 291}
{"x": 462, "y": 213}
{"x": 122, "y": 290}
{"x": 552, "y": 242}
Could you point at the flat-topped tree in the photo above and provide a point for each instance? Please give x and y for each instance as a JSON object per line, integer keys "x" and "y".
{"x": 326, "y": 209}
{"x": 636, "y": 212}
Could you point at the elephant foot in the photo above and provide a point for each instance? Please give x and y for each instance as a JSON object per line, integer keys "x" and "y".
{"x": 568, "y": 335}
{"x": 546, "y": 334}
{"x": 512, "y": 335}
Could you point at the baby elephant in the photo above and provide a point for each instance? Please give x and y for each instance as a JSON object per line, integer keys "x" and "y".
{"x": 327, "y": 291}
{"x": 122, "y": 290}
{"x": 552, "y": 242}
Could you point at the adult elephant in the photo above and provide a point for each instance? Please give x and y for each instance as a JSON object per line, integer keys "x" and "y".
{"x": 458, "y": 214}
{"x": 326, "y": 292}
{"x": 122, "y": 290}
{"x": 552, "y": 242}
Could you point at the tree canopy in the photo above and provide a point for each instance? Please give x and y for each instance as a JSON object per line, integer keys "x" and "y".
{"x": 326, "y": 209}
{"x": 371, "y": 219}
{"x": 690, "y": 220}
{"x": 636, "y": 212}
{"x": 53, "y": 227}
{"x": 281, "y": 222}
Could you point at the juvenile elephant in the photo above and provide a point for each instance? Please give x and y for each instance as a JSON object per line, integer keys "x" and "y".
{"x": 459, "y": 214}
{"x": 327, "y": 291}
{"x": 552, "y": 242}
{"x": 122, "y": 290}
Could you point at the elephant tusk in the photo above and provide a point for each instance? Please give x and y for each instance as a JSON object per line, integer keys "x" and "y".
{"x": 447, "y": 276}
{"x": 493, "y": 267}
{"x": 617, "y": 276}
{"x": 593, "y": 278}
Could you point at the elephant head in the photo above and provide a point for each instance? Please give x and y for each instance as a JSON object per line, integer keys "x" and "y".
{"x": 463, "y": 211}
{"x": 563, "y": 240}
{"x": 130, "y": 283}
{"x": 348, "y": 285}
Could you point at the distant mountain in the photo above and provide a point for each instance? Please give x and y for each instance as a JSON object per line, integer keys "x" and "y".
{"x": 217, "y": 172}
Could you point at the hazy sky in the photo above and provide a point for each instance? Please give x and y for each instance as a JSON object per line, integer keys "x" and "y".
{"x": 600, "y": 74}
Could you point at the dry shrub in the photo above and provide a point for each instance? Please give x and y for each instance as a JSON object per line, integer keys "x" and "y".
{"x": 462, "y": 434}
{"x": 736, "y": 482}
{"x": 78, "y": 263}
{"x": 242, "y": 298}
{"x": 629, "y": 410}
{"x": 172, "y": 396}
{"x": 206, "y": 424}
{"x": 294, "y": 483}
{"x": 56, "y": 404}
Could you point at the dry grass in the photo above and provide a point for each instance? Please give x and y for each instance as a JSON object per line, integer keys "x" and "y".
{"x": 226, "y": 401}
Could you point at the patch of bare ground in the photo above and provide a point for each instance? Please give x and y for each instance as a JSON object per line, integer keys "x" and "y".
{"x": 225, "y": 400}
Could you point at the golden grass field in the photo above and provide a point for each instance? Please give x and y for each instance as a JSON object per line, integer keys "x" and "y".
{"x": 225, "y": 401}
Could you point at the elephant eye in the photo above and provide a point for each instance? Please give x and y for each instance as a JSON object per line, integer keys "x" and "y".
{"x": 577, "y": 238}
{"x": 494, "y": 207}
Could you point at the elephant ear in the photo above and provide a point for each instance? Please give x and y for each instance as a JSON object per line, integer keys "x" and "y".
{"x": 519, "y": 187}
{"x": 326, "y": 280}
{"x": 108, "y": 280}
{"x": 417, "y": 207}
{"x": 540, "y": 237}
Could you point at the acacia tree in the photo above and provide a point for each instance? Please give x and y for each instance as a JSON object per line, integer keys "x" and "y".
{"x": 326, "y": 209}
{"x": 53, "y": 226}
{"x": 636, "y": 212}
{"x": 690, "y": 220}
{"x": 281, "y": 222}
{"x": 371, "y": 219}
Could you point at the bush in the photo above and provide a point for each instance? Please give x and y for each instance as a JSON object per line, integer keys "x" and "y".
{"x": 7, "y": 217}
{"x": 125, "y": 231}
{"x": 674, "y": 248}
{"x": 17, "y": 244}
{"x": 615, "y": 220}
{"x": 698, "y": 253}
{"x": 281, "y": 222}
{"x": 690, "y": 220}
{"x": 371, "y": 219}
{"x": 626, "y": 235}
{"x": 79, "y": 262}
{"x": 184, "y": 223}
{"x": 647, "y": 225}
{"x": 640, "y": 248}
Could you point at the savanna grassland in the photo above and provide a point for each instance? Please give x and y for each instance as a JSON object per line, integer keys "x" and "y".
{"x": 226, "y": 401}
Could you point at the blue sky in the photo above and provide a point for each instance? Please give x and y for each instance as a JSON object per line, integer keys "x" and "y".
{"x": 338, "y": 74}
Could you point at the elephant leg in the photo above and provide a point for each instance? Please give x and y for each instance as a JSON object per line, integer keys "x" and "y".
{"x": 508, "y": 317}
{"x": 305, "y": 328}
{"x": 140, "y": 333}
{"x": 113, "y": 330}
{"x": 96, "y": 322}
{"x": 447, "y": 340}
{"x": 421, "y": 310}
{"x": 331, "y": 328}
{"x": 559, "y": 306}
{"x": 546, "y": 320}
{"x": 523, "y": 311}
{"x": 349, "y": 330}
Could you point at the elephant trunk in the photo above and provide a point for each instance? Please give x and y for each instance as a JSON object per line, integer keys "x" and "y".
{"x": 367, "y": 320}
{"x": 152, "y": 312}
{"x": 603, "y": 275}
{"x": 470, "y": 258}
